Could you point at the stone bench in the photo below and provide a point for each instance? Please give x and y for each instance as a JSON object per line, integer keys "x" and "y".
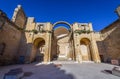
{"x": 116, "y": 71}
{"x": 14, "y": 74}
{"x": 115, "y": 62}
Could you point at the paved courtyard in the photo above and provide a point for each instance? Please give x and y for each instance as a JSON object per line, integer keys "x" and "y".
{"x": 66, "y": 71}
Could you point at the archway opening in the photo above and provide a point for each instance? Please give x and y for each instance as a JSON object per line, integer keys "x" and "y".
{"x": 39, "y": 49}
{"x": 61, "y": 29}
{"x": 85, "y": 48}
{"x": 61, "y": 41}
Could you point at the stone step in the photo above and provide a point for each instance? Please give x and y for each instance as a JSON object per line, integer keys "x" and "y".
{"x": 63, "y": 62}
{"x": 87, "y": 61}
{"x": 62, "y": 59}
{"x": 69, "y": 62}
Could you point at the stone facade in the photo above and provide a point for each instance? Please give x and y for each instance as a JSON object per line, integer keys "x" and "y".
{"x": 9, "y": 40}
{"x": 23, "y": 39}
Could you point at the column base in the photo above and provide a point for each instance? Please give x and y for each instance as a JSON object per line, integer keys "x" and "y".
{"x": 97, "y": 61}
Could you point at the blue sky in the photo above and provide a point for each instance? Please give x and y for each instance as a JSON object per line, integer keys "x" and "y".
{"x": 99, "y": 12}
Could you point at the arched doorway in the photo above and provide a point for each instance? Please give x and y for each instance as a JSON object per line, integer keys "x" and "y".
{"x": 61, "y": 41}
{"x": 39, "y": 49}
{"x": 85, "y": 49}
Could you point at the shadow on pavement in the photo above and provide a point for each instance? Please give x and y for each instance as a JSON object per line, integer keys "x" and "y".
{"x": 51, "y": 71}
{"x": 107, "y": 71}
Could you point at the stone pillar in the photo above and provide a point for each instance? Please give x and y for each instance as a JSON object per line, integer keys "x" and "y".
{"x": 47, "y": 56}
{"x": 72, "y": 50}
{"x": 50, "y": 39}
{"x": 79, "y": 53}
{"x": 95, "y": 53}
{"x": 49, "y": 59}
{"x": 77, "y": 45}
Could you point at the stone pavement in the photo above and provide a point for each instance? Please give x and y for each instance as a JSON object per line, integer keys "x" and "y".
{"x": 66, "y": 71}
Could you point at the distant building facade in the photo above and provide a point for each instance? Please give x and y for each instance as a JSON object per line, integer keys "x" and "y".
{"x": 22, "y": 39}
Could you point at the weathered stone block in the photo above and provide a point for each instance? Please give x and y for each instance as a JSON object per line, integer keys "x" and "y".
{"x": 115, "y": 62}
{"x": 116, "y": 71}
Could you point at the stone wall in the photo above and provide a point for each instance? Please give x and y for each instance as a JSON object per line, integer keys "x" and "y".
{"x": 20, "y": 19}
{"x": 111, "y": 40}
{"x": 9, "y": 41}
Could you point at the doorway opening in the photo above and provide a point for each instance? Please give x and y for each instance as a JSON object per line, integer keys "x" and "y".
{"x": 39, "y": 49}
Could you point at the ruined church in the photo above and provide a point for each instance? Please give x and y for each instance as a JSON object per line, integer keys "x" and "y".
{"x": 24, "y": 40}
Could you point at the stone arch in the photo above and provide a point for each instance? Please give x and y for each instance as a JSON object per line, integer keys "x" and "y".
{"x": 61, "y": 29}
{"x": 61, "y": 42}
{"x": 37, "y": 41}
{"x": 85, "y": 48}
{"x": 62, "y": 22}
{"x": 38, "y": 50}
{"x": 85, "y": 41}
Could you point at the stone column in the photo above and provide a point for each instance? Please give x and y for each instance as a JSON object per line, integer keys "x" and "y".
{"x": 95, "y": 53}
